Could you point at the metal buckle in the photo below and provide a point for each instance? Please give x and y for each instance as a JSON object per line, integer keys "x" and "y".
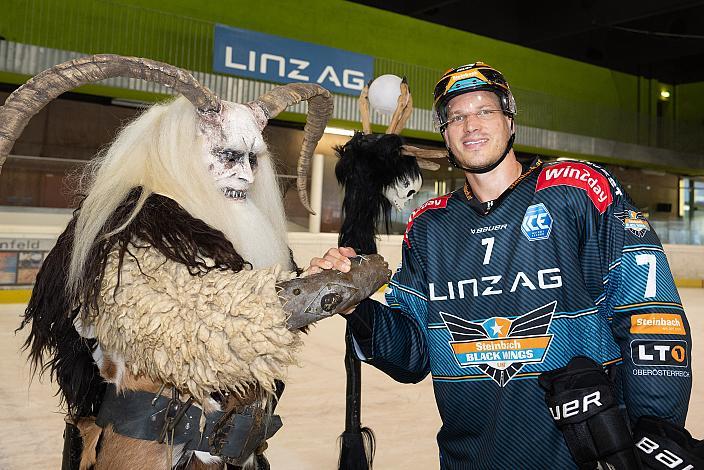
{"x": 175, "y": 410}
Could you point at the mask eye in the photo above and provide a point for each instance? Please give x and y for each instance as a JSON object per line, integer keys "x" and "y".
{"x": 228, "y": 155}
{"x": 252, "y": 159}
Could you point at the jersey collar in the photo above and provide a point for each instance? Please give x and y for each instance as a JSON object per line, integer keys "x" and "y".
{"x": 485, "y": 208}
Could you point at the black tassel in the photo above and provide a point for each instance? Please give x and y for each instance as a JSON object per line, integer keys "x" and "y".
{"x": 357, "y": 450}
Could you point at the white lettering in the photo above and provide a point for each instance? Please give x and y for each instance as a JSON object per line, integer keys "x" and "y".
{"x": 556, "y": 279}
{"x": 489, "y": 290}
{"x": 263, "y": 60}
{"x": 431, "y": 287}
{"x": 647, "y": 445}
{"x": 662, "y": 349}
{"x": 592, "y": 398}
{"x": 252, "y": 61}
{"x": 329, "y": 71}
{"x": 551, "y": 173}
{"x": 525, "y": 282}
{"x": 547, "y": 279}
{"x": 643, "y": 355}
{"x": 353, "y": 79}
{"x": 570, "y": 408}
{"x": 668, "y": 458}
{"x": 460, "y": 287}
{"x": 230, "y": 63}
{"x": 300, "y": 65}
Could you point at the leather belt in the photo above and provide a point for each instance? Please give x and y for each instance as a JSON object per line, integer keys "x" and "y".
{"x": 230, "y": 435}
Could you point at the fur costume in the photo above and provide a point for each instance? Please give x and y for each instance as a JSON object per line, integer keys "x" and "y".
{"x": 169, "y": 278}
{"x": 161, "y": 309}
{"x": 202, "y": 333}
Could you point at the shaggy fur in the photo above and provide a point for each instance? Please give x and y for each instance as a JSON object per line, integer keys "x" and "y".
{"x": 202, "y": 333}
{"x": 54, "y": 343}
{"x": 369, "y": 163}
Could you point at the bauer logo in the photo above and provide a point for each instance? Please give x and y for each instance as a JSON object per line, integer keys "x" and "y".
{"x": 537, "y": 222}
{"x": 665, "y": 353}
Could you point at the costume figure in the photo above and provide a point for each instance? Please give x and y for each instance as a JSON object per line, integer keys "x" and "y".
{"x": 377, "y": 172}
{"x": 523, "y": 269}
{"x": 160, "y": 307}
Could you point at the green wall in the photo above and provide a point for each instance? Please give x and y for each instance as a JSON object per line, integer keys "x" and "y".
{"x": 552, "y": 92}
{"x": 333, "y": 23}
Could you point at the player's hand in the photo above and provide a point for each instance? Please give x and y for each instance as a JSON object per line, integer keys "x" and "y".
{"x": 335, "y": 258}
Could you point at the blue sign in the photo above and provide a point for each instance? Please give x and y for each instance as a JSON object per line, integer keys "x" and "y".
{"x": 275, "y": 59}
{"x": 537, "y": 222}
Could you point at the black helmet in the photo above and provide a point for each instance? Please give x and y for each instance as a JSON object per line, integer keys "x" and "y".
{"x": 468, "y": 78}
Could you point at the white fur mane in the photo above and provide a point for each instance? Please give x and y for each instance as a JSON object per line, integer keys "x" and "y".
{"x": 161, "y": 151}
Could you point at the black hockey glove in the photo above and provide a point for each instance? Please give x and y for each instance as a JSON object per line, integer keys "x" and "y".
{"x": 663, "y": 445}
{"x": 582, "y": 402}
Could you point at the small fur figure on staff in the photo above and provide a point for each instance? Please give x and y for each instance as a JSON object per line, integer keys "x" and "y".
{"x": 377, "y": 172}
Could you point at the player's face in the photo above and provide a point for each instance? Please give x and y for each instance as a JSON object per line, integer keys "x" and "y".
{"x": 476, "y": 135}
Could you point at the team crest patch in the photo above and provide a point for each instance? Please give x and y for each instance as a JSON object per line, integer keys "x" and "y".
{"x": 634, "y": 222}
{"x": 537, "y": 222}
{"x": 500, "y": 347}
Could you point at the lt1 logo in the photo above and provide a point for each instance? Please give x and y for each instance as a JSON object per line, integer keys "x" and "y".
{"x": 659, "y": 353}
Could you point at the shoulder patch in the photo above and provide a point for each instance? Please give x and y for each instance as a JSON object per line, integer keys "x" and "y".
{"x": 435, "y": 203}
{"x": 578, "y": 175}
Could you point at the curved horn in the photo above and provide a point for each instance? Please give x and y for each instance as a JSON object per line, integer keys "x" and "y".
{"x": 319, "y": 111}
{"x": 31, "y": 97}
{"x": 427, "y": 164}
{"x": 422, "y": 156}
{"x": 411, "y": 151}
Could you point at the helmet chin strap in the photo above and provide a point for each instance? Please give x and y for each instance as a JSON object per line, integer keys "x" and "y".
{"x": 484, "y": 169}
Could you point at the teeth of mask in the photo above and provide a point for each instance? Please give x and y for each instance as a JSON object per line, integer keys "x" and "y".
{"x": 234, "y": 193}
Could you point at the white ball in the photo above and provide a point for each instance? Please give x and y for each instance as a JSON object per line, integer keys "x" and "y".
{"x": 384, "y": 92}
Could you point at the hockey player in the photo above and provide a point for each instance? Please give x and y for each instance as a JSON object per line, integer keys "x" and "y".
{"x": 513, "y": 275}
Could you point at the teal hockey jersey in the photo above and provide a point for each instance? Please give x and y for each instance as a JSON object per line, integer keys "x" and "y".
{"x": 487, "y": 298}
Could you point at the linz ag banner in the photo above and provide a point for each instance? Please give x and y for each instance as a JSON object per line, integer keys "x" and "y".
{"x": 276, "y": 59}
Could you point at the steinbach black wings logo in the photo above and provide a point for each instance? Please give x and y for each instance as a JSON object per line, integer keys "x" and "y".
{"x": 499, "y": 346}
{"x": 634, "y": 222}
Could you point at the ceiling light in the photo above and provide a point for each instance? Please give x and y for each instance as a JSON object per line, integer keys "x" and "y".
{"x": 339, "y": 131}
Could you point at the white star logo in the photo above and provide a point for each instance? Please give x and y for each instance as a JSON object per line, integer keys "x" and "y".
{"x": 496, "y": 329}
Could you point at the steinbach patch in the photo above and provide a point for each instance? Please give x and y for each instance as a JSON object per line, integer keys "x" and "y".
{"x": 499, "y": 346}
{"x": 578, "y": 175}
{"x": 657, "y": 324}
{"x": 435, "y": 203}
{"x": 634, "y": 222}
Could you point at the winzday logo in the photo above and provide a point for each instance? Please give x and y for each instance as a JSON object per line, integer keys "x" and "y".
{"x": 578, "y": 175}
